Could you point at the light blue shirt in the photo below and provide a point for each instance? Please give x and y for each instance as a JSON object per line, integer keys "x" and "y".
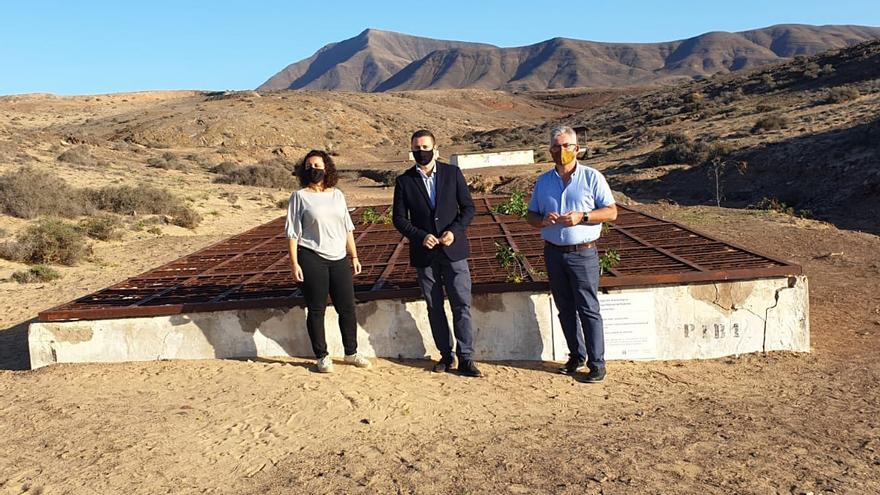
{"x": 587, "y": 190}
{"x": 430, "y": 184}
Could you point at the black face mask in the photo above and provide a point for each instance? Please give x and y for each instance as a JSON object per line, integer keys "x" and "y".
{"x": 423, "y": 157}
{"x": 316, "y": 175}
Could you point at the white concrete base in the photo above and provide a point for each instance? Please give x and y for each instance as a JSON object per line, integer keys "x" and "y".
{"x": 671, "y": 322}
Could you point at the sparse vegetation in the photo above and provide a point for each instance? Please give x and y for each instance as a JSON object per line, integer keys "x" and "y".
{"x": 770, "y": 123}
{"x": 842, "y": 94}
{"x": 129, "y": 200}
{"x": 29, "y": 193}
{"x": 267, "y": 174}
{"x": 103, "y": 227}
{"x": 50, "y": 240}
{"x": 36, "y": 273}
{"x": 774, "y": 204}
{"x": 78, "y": 155}
{"x": 680, "y": 148}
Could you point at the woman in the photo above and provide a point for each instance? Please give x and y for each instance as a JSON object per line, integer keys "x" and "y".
{"x": 321, "y": 240}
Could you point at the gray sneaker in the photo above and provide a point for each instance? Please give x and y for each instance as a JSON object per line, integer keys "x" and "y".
{"x": 325, "y": 365}
{"x": 358, "y": 360}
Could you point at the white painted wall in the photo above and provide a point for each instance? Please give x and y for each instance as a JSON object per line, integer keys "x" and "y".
{"x": 497, "y": 159}
{"x": 673, "y": 322}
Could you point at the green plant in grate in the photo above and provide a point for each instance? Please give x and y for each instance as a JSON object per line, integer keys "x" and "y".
{"x": 515, "y": 205}
{"x": 371, "y": 216}
{"x": 606, "y": 228}
{"x": 511, "y": 261}
{"x": 608, "y": 260}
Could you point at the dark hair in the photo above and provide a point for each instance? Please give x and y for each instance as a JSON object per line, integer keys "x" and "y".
{"x": 330, "y": 175}
{"x": 422, "y": 133}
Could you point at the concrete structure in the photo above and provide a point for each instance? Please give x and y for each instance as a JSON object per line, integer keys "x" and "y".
{"x": 695, "y": 321}
{"x": 495, "y": 159}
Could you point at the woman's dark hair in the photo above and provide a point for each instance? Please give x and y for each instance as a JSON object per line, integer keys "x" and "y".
{"x": 330, "y": 175}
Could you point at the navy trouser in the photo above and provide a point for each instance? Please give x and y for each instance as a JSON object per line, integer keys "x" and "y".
{"x": 574, "y": 283}
{"x": 455, "y": 276}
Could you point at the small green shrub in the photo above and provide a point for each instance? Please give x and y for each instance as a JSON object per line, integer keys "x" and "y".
{"x": 36, "y": 273}
{"x": 371, "y": 216}
{"x": 608, "y": 260}
{"x": 515, "y": 205}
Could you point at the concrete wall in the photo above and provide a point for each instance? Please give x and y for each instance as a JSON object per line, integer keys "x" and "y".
{"x": 672, "y": 322}
{"x": 477, "y": 160}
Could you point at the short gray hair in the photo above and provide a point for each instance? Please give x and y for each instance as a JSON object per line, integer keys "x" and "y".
{"x": 563, "y": 130}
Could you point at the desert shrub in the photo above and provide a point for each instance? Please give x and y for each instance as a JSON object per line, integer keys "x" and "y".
{"x": 129, "y": 200}
{"x": 29, "y": 193}
{"x": 770, "y": 123}
{"x": 168, "y": 161}
{"x": 50, "y": 240}
{"x": 102, "y": 227}
{"x": 842, "y": 94}
{"x": 679, "y": 148}
{"x": 267, "y": 174}
{"x": 186, "y": 217}
{"x": 384, "y": 177}
{"x": 78, "y": 155}
{"x": 36, "y": 273}
{"x": 224, "y": 168}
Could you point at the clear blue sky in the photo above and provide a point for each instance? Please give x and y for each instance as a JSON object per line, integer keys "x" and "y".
{"x": 87, "y": 47}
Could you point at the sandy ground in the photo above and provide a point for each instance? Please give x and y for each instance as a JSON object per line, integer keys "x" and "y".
{"x": 776, "y": 423}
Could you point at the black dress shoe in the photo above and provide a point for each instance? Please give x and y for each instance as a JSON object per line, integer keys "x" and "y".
{"x": 595, "y": 375}
{"x": 572, "y": 365}
{"x": 443, "y": 366}
{"x": 466, "y": 367}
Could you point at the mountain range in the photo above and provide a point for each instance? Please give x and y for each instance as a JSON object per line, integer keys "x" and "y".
{"x": 376, "y": 61}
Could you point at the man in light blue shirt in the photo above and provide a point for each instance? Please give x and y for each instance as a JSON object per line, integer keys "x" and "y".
{"x": 569, "y": 204}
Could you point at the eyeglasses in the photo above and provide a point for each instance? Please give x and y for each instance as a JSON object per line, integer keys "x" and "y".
{"x": 558, "y": 147}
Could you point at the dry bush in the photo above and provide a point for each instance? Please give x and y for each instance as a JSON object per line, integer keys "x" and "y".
{"x": 129, "y": 200}
{"x": 267, "y": 174}
{"x": 224, "y": 168}
{"x": 78, "y": 155}
{"x": 36, "y": 273}
{"x": 770, "y": 123}
{"x": 50, "y": 240}
{"x": 29, "y": 193}
{"x": 680, "y": 148}
{"x": 842, "y": 94}
{"x": 104, "y": 227}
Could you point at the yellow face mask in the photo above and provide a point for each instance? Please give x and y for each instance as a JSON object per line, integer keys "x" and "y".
{"x": 564, "y": 156}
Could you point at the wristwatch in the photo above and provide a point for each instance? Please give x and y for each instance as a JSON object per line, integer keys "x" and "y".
{"x": 586, "y": 219}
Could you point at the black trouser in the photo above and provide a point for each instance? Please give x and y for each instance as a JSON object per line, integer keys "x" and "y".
{"x": 320, "y": 278}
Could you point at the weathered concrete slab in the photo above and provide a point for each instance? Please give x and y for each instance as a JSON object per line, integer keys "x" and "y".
{"x": 672, "y": 322}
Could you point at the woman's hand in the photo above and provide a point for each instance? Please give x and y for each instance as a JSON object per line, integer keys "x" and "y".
{"x": 297, "y": 273}
{"x": 356, "y": 264}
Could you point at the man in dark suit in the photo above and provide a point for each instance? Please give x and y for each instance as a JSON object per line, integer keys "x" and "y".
{"x": 433, "y": 208}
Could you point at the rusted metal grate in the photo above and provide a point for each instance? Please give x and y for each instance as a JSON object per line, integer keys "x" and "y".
{"x": 251, "y": 270}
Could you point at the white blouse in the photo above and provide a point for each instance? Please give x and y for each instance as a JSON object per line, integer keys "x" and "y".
{"x": 319, "y": 221}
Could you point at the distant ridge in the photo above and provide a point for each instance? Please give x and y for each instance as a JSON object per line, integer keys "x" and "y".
{"x": 376, "y": 60}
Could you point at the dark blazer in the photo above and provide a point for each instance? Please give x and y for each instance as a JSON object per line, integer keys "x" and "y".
{"x": 414, "y": 218}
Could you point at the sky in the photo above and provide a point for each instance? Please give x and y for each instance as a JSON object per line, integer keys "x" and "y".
{"x": 91, "y": 47}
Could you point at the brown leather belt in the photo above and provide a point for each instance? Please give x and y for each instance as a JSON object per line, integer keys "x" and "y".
{"x": 570, "y": 248}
